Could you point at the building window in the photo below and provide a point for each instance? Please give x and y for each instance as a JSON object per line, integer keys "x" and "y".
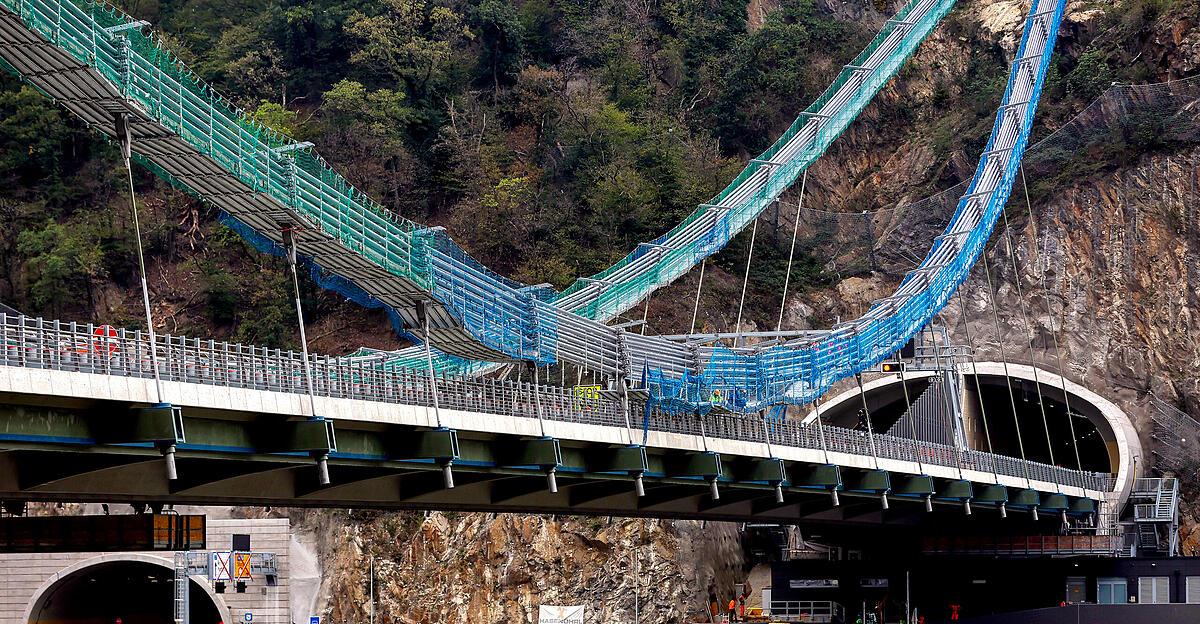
{"x": 1193, "y": 590}
{"x": 1154, "y": 590}
{"x": 1114, "y": 590}
{"x": 1075, "y": 589}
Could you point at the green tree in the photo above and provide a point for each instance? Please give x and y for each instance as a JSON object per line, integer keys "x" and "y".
{"x": 501, "y": 34}
{"x": 34, "y": 134}
{"x": 274, "y": 116}
{"x": 61, "y": 260}
{"x": 1091, "y": 75}
{"x": 409, "y": 41}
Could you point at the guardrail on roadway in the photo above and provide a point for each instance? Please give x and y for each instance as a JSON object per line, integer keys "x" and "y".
{"x": 88, "y": 348}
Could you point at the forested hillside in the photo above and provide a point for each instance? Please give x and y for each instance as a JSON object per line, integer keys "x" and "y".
{"x": 549, "y": 136}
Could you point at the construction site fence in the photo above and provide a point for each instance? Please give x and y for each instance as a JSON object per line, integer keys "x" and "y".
{"x": 105, "y": 350}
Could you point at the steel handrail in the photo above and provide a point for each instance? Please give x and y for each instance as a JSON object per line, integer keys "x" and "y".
{"x": 104, "y": 350}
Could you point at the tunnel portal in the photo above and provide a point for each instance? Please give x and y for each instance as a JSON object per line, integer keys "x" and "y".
{"x": 121, "y": 591}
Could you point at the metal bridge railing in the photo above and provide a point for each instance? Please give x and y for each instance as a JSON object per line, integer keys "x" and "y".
{"x": 104, "y": 350}
{"x": 806, "y": 610}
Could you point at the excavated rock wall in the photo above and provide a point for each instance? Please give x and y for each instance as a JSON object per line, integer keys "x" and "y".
{"x": 494, "y": 569}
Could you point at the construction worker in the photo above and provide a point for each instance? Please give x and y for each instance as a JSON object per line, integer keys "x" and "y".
{"x": 732, "y": 608}
{"x": 714, "y": 607}
{"x": 746, "y": 589}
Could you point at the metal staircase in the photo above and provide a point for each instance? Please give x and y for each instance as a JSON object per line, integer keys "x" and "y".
{"x": 1155, "y": 524}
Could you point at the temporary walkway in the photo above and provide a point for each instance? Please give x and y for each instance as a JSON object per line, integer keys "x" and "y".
{"x": 99, "y": 63}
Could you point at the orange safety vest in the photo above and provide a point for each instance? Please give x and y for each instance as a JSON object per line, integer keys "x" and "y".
{"x": 732, "y": 606}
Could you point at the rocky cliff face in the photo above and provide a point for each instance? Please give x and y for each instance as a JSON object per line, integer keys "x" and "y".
{"x": 494, "y": 569}
{"x": 1115, "y": 275}
{"x": 1108, "y": 266}
{"x": 1118, "y": 280}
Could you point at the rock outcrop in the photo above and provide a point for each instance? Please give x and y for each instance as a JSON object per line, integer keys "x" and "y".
{"x": 495, "y": 569}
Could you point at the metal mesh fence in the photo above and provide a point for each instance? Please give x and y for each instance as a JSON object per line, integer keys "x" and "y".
{"x": 1176, "y": 439}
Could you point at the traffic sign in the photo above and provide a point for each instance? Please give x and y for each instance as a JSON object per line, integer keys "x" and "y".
{"x": 220, "y": 566}
{"x": 316, "y": 619}
{"x": 241, "y": 565}
{"x": 106, "y": 340}
{"x": 248, "y": 617}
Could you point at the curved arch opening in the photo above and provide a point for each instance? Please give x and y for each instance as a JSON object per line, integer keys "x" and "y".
{"x": 123, "y": 590}
{"x": 1105, "y": 435}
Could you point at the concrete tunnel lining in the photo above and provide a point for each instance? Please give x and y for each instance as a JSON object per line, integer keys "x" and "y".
{"x": 66, "y": 573}
{"x": 1113, "y": 424}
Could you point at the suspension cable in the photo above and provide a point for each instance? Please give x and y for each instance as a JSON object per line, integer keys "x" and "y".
{"x": 699, "y": 286}
{"x": 912, "y": 423}
{"x": 537, "y": 399}
{"x": 125, "y": 137}
{"x": 787, "y": 277}
{"x": 767, "y": 433}
{"x": 1004, "y": 361}
{"x": 833, "y": 495}
{"x": 289, "y": 239}
{"x": 321, "y": 457}
{"x": 745, "y": 283}
{"x": 551, "y": 478}
{"x": 987, "y": 434}
{"x": 645, "y": 314}
{"x": 712, "y": 484}
{"x": 1029, "y": 330}
{"x": 937, "y": 364}
{"x": 127, "y": 155}
{"x": 437, "y": 409}
{"x": 867, "y": 414}
{"x": 1053, "y": 330}
{"x": 820, "y": 429}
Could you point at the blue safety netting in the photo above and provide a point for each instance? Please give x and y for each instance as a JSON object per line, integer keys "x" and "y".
{"x": 742, "y": 381}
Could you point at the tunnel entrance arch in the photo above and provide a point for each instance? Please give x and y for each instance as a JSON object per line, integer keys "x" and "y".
{"x": 1117, "y": 449}
{"x": 128, "y": 587}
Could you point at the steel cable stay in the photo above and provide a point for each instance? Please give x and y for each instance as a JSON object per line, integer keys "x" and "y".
{"x": 833, "y": 493}
{"x": 1007, "y": 378}
{"x": 475, "y": 313}
{"x": 912, "y": 425}
{"x": 125, "y": 139}
{"x": 949, "y": 410}
{"x": 978, "y": 384}
{"x": 745, "y": 283}
{"x": 787, "y": 277}
{"x": 866, "y": 413}
{"x": 1029, "y": 330}
{"x": 320, "y": 456}
{"x": 951, "y": 367}
{"x": 1054, "y": 331}
{"x": 987, "y": 432}
{"x": 699, "y": 287}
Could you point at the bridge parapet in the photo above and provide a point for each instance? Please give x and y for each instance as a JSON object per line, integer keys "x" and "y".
{"x": 102, "y": 350}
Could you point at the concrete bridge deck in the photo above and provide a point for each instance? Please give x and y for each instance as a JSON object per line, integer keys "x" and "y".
{"x": 73, "y": 425}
